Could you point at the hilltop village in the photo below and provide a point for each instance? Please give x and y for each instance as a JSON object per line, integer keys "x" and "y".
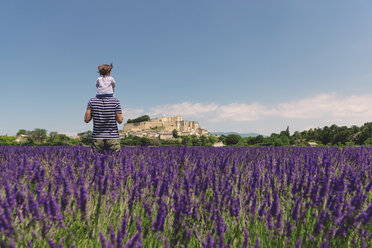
{"x": 164, "y": 128}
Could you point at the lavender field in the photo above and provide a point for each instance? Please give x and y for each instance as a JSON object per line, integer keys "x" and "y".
{"x": 186, "y": 197}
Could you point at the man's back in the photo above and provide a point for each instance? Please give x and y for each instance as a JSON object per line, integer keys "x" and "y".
{"x": 103, "y": 112}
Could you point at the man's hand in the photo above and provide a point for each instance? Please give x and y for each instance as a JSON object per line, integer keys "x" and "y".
{"x": 88, "y": 116}
{"x": 119, "y": 118}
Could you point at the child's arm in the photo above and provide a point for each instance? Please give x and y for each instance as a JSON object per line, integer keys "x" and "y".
{"x": 97, "y": 84}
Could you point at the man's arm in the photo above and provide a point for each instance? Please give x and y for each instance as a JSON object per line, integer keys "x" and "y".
{"x": 88, "y": 116}
{"x": 119, "y": 117}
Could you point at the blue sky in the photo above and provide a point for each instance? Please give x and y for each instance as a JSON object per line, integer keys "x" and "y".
{"x": 246, "y": 66}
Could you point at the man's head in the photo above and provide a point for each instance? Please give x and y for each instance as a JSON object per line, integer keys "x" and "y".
{"x": 105, "y": 69}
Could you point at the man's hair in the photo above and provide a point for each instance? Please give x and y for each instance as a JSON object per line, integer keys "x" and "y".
{"x": 105, "y": 69}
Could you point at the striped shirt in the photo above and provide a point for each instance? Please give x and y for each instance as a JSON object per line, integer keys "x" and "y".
{"x": 104, "y": 112}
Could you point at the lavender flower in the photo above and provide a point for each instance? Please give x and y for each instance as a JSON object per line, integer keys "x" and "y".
{"x": 83, "y": 200}
{"x": 324, "y": 245}
{"x": 275, "y": 205}
{"x": 298, "y": 243}
{"x": 133, "y": 242}
{"x": 246, "y": 239}
{"x": 257, "y": 244}
{"x": 166, "y": 243}
{"x": 103, "y": 239}
{"x": 158, "y": 225}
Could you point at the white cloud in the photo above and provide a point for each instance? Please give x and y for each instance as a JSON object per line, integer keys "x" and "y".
{"x": 240, "y": 112}
{"x": 330, "y": 106}
{"x": 355, "y": 109}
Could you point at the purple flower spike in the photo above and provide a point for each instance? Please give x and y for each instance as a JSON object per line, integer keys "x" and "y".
{"x": 279, "y": 222}
{"x": 262, "y": 211}
{"x": 246, "y": 239}
{"x": 52, "y": 244}
{"x": 133, "y": 241}
{"x": 295, "y": 211}
{"x": 367, "y": 215}
{"x": 257, "y": 244}
{"x": 209, "y": 243}
{"x": 324, "y": 245}
{"x": 83, "y": 200}
{"x": 166, "y": 243}
{"x": 275, "y": 205}
{"x": 289, "y": 229}
{"x": 158, "y": 225}
{"x": 298, "y": 244}
{"x": 103, "y": 239}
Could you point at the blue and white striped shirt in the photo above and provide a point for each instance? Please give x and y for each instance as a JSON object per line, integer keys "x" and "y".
{"x": 104, "y": 112}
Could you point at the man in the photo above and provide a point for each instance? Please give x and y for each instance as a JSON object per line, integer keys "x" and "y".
{"x": 106, "y": 113}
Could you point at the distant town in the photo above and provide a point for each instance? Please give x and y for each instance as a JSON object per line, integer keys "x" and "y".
{"x": 163, "y": 128}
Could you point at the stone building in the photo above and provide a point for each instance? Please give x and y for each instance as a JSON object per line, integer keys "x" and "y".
{"x": 162, "y": 127}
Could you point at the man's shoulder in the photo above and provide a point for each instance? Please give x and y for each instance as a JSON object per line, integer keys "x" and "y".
{"x": 113, "y": 99}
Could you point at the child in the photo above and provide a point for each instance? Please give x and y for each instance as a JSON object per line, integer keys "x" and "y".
{"x": 105, "y": 83}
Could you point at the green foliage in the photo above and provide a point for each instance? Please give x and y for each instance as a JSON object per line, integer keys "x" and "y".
{"x": 175, "y": 133}
{"x": 189, "y": 140}
{"x": 139, "y": 119}
{"x": 368, "y": 142}
{"x": 170, "y": 143}
{"x": 186, "y": 140}
{"x": 86, "y": 137}
{"x": 139, "y": 141}
{"x": 21, "y": 131}
{"x": 285, "y": 133}
{"x": 7, "y": 140}
{"x": 56, "y": 139}
{"x": 232, "y": 139}
{"x": 38, "y": 135}
{"x": 326, "y": 136}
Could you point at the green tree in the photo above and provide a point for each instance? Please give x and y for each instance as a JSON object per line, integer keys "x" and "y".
{"x": 258, "y": 139}
{"x": 145, "y": 141}
{"x": 52, "y": 136}
{"x": 175, "y": 133}
{"x": 368, "y": 142}
{"x": 194, "y": 140}
{"x": 285, "y": 133}
{"x": 232, "y": 139}
{"x": 86, "y": 137}
{"x": 203, "y": 140}
{"x": 212, "y": 139}
{"x": 7, "y": 140}
{"x": 62, "y": 139}
{"x": 139, "y": 119}
{"x": 21, "y": 131}
{"x": 186, "y": 140}
{"x": 39, "y": 134}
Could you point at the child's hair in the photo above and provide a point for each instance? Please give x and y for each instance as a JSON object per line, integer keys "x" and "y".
{"x": 105, "y": 69}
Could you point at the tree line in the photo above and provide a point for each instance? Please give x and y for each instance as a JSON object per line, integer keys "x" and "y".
{"x": 327, "y": 136}
{"x": 139, "y": 119}
{"x": 39, "y": 136}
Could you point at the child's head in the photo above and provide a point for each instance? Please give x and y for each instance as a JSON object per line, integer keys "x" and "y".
{"x": 105, "y": 69}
